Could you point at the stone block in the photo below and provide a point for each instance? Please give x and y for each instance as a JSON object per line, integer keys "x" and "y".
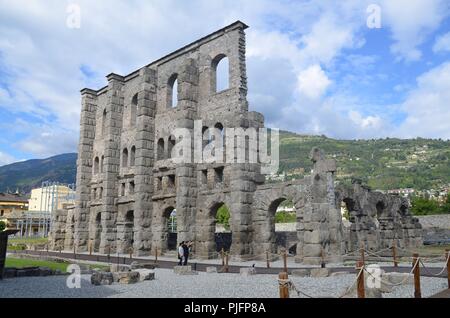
{"x": 9, "y": 272}
{"x": 145, "y": 274}
{"x": 320, "y": 272}
{"x": 45, "y": 271}
{"x": 312, "y": 250}
{"x": 211, "y": 269}
{"x": 312, "y": 237}
{"x": 119, "y": 268}
{"x": 249, "y": 271}
{"x": 301, "y": 272}
{"x": 126, "y": 277}
{"x": 182, "y": 269}
{"x": 102, "y": 278}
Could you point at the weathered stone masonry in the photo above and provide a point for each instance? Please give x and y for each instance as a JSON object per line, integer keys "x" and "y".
{"x": 127, "y": 183}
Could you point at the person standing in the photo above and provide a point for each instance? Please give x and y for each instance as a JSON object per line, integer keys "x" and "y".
{"x": 181, "y": 253}
{"x": 185, "y": 252}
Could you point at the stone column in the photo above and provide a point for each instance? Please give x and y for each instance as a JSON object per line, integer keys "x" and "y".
{"x": 84, "y": 168}
{"x": 186, "y": 174}
{"x": 145, "y": 140}
{"x": 322, "y": 230}
{"x": 58, "y": 230}
{"x": 242, "y": 188}
{"x": 113, "y": 125}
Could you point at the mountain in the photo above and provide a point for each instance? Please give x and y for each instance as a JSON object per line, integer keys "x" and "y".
{"x": 381, "y": 163}
{"x": 26, "y": 175}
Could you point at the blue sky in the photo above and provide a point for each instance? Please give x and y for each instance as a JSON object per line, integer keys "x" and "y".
{"x": 313, "y": 67}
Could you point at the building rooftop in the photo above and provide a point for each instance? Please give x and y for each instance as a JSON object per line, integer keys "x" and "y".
{"x": 13, "y": 197}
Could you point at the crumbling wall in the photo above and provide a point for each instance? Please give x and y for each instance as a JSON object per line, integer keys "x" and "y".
{"x": 377, "y": 220}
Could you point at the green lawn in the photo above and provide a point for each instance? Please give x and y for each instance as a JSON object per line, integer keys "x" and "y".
{"x": 25, "y": 262}
{"x": 26, "y": 240}
{"x": 433, "y": 250}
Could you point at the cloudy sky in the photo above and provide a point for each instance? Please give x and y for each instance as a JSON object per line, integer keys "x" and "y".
{"x": 314, "y": 67}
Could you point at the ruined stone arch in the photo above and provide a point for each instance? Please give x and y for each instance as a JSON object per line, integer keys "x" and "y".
{"x": 160, "y": 149}
{"x": 171, "y": 141}
{"x": 132, "y": 156}
{"x": 102, "y": 164}
{"x": 220, "y": 73}
{"x": 172, "y": 91}
{"x": 104, "y": 122}
{"x": 125, "y": 157}
{"x": 170, "y": 232}
{"x": 133, "y": 110}
{"x": 96, "y": 165}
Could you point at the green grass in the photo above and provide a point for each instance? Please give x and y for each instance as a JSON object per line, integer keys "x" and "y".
{"x": 434, "y": 250}
{"x": 25, "y": 262}
{"x": 62, "y": 266}
{"x": 26, "y": 240}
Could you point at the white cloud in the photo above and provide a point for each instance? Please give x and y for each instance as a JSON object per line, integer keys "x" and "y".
{"x": 291, "y": 48}
{"x": 427, "y": 106}
{"x": 410, "y": 22}
{"x": 6, "y": 159}
{"x": 365, "y": 122}
{"x": 442, "y": 43}
{"x": 313, "y": 82}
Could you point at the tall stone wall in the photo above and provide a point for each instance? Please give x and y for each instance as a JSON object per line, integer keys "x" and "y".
{"x": 129, "y": 178}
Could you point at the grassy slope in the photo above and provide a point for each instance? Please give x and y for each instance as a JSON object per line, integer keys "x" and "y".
{"x": 382, "y": 164}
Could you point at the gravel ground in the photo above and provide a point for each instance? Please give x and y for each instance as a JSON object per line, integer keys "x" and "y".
{"x": 169, "y": 285}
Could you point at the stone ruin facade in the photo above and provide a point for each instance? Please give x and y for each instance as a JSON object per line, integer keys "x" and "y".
{"x": 127, "y": 183}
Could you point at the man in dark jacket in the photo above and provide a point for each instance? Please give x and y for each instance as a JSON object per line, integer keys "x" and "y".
{"x": 186, "y": 252}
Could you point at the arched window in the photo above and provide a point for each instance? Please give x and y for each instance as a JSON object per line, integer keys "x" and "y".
{"x": 104, "y": 122}
{"x": 125, "y": 157}
{"x": 220, "y": 77}
{"x": 160, "y": 149}
{"x": 129, "y": 217}
{"x": 132, "y": 156}
{"x": 134, "y": 110}
{"x": 170, "y": 145}
{"x": 172, "y": 91}
{"x": 101, "y": 164}
{"x": 96, "y": 164}
{"x": 219, "y": 126}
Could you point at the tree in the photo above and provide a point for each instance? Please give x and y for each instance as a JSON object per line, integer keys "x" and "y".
{"x": 424, "y": 206}
{"x": 445, "y": 208}
{"x": 223, "y": 216}
{"x": 2, "y": 226}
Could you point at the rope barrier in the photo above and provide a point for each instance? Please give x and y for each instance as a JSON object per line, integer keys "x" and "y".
{"x": 440, "y": 273}
{"x": 291, "y": 286}
{"x": 396, "y": 284}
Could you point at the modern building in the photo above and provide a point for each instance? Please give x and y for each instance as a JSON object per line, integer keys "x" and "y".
{"x": 51, "y": 197}
{"x": 12, "y": 203}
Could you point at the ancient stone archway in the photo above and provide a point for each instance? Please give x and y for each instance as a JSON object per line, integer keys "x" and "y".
{"x": 125, "y": 231}
{"x": 170, "y": 228}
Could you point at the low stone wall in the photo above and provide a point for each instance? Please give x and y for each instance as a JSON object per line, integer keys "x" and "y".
{"x": 436, "y": 228}
{"x": 285, "y": 227}
{"x": 435, "y": 221}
